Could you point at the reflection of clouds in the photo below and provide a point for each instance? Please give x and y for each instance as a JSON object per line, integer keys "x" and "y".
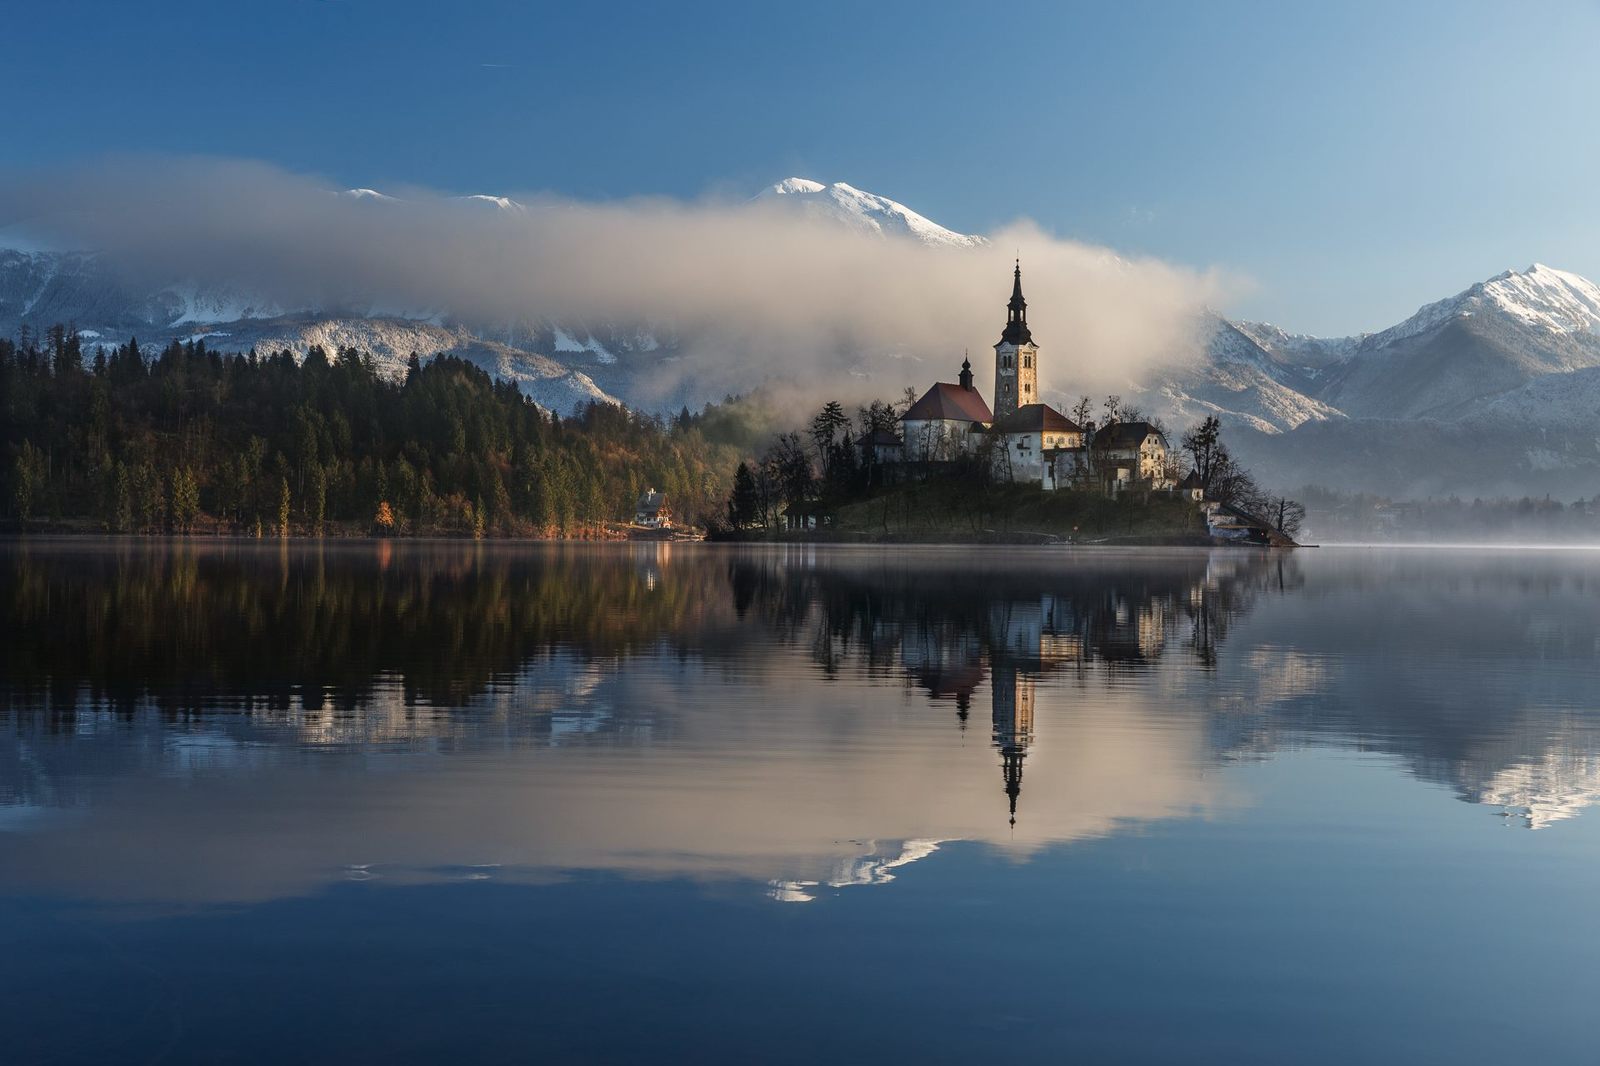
{"x": 767, "y": 783}
{"x": 865, "y": 870}
{"x": 770, "y": 757}
{"x": 1262, "y": 679}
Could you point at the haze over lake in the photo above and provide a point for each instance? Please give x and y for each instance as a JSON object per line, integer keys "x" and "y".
{"x": 631, "y": 803}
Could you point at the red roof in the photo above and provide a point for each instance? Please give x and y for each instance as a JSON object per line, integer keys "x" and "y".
{"x": 949, "y": 403}
{"x": 1037, "y": 418}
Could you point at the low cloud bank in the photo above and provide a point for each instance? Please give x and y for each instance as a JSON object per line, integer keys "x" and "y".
{"x": 755, "y": 290}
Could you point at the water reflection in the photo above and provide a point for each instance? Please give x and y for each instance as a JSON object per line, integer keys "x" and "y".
{"x": 212, "y": 721}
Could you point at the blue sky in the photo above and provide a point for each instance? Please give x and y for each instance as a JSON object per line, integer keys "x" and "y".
{"x": 1353, "y": 160}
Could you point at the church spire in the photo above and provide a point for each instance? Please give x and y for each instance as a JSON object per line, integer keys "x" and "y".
{"x": 966, "y": 371}
{"x": 1017, "y": 313}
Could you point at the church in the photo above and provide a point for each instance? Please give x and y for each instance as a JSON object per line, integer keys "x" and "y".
{"x": 1029, "y": 440}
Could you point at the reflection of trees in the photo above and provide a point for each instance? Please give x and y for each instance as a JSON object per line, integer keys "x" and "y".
{"x": 195, "y": 626}
{"x": 377, "y": 643}
{"x": 201, "y": 627}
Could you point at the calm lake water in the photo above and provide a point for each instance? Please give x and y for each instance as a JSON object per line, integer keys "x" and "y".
{"x": 414, "y": 802}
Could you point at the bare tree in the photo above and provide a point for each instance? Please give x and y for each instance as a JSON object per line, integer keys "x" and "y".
{"x": 1205, "y": 448}
{"x": 1287, "y": 515}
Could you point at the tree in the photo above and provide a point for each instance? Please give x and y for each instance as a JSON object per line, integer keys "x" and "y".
{"x": 29, "y": 477}
{"x": 824, "y": 428}
{"x": 1287, "y": 515}
{"x": 384, "y": 519}
{"x": 122, "y": 500}
{"x": 1082, "y": 411}
{"x": 152, "y": 499}
{"x": 1232, "y": 484}
{"x": 1205, "y": 448}
{"x": 876, "y": 416}
{"x": 185, "y": 499}
{"x": 319, "y": 498}
{"x": 1113, "y": 406}
{"x": 743, "y": 503}
{"x": 791, "y": 469}
{"x": 283, "y": 506}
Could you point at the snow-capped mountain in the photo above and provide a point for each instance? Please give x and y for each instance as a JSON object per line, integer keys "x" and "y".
{"x": 864, "y": 211}
{"x": 1495, "y": 389}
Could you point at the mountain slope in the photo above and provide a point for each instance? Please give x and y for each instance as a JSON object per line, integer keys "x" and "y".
{"x": 848, "y": 206}
{"x": 1494, "y": 389}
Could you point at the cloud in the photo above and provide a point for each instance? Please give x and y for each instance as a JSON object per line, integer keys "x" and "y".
{"x": 754, "y": 290}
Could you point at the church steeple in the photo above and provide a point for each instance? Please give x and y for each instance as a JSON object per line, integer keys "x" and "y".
{"x": 1016, "y": 331}
{"x": 966, "y": 372}
{"x": 1016, "y": 373}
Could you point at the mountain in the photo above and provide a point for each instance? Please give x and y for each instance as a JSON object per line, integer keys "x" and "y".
{"x": 848, "y": 206}
{"x": 1494, "y": 390}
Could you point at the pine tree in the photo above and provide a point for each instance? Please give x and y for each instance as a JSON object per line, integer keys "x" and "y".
{"x": 283, "y": 506}
{"x": 319, "y": 498}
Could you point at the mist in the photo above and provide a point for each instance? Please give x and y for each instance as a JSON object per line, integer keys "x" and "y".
{"x": 756, "y": 291}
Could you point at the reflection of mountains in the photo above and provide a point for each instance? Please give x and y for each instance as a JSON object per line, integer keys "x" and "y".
{"x": 223, "y": 654}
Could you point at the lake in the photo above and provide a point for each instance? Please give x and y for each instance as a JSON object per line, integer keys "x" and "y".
{"x": 455, "y": 802}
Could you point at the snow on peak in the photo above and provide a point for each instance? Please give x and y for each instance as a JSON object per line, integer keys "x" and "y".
{"x": 497, "y": 203}
{"x": 865, "y": 211}
{"x": 796, "y": 185}
{"x": 368, "y": 194}
{"x": 1556, "y": 301}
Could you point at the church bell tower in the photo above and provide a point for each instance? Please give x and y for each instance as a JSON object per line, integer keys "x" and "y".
{"x": 1016, "y": 357}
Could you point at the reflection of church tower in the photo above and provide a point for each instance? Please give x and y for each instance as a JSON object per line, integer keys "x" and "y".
{"x": 1013, "y": 725}
{"x": 1016, "y": 357}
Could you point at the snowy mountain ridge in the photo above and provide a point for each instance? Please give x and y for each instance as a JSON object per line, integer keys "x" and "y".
{"x": 1497, "y": 385}
{"x": 864, "y": 211}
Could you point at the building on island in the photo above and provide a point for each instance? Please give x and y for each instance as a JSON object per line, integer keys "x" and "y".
{"x": 948, "y": 422}
{"x": 1034, "y": 440}
{"x": 1027, "y": 440}
{"x": 1016, "y": 357}
{"x": 1134, "y": 454}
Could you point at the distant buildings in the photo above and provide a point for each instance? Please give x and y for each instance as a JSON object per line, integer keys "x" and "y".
{"x": 652, "y": 511}
{"x": 1025, "y": 439}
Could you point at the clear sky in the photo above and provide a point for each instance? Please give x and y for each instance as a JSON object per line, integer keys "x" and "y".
{"x": 1353, "y": 159}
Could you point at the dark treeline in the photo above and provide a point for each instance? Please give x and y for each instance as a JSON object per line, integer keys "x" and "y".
{"x": 191, "y": 440}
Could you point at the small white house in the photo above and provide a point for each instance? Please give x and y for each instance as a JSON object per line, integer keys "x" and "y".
{"x": 1130, "y": 453}
{"x": 652, "y": 511}
{"x": 1031, "y": 438}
